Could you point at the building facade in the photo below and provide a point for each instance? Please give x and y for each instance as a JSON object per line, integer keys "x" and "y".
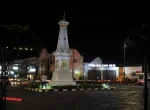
{"x": 96, "y": 70}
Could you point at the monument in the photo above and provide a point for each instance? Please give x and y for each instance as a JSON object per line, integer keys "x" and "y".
{"x": 62, "y": 74}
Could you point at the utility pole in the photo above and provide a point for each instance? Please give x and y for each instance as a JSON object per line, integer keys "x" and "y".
{"x": 143, "y": 42}
{"x": 124, "y": 62}
{"x": 145, "y": 90}
{"x": 3, "y": 79}
{"x": 1, "y": 83}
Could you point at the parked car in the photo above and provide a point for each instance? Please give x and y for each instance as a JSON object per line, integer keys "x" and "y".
{"x": 140, "y": 83}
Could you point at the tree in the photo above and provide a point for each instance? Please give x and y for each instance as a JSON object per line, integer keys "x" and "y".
{"x": 133, "y": 74}
{"x": 19, "y": 36}
{"x": 81, "y": 77}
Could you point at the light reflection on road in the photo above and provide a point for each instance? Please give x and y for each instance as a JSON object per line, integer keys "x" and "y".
{"x": 89, "y": 100}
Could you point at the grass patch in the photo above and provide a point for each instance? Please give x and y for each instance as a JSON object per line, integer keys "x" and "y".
{"x": 78, "y": 86}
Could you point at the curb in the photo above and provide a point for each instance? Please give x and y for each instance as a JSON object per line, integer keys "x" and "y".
{"x": 123, "y": 84}
{"x": 64, "y": 90}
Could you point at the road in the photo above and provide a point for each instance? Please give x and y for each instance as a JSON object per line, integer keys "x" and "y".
{"x": 120, "y": 99}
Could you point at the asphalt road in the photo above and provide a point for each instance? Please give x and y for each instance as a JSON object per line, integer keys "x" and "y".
{"x": 119, "y": 99}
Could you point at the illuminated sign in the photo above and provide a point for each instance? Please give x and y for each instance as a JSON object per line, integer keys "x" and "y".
{"x": 102, "y": 65}
{"x": 31, "y": 70}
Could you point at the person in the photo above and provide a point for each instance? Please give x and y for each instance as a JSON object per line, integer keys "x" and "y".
{"x": 28, "y": 78}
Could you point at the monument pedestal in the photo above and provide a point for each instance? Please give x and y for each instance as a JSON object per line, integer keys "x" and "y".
{"x": 62, "y": 77}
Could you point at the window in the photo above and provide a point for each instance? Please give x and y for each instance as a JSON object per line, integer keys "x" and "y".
{"x": 57, "y": 64}
{"x": 64, "y": 64}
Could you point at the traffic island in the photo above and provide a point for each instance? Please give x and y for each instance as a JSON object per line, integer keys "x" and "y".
{"x": 80, "y": 87}
{"x": 64, "y": 90}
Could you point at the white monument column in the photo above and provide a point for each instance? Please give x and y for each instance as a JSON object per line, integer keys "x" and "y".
{"x": 62, "y": 74}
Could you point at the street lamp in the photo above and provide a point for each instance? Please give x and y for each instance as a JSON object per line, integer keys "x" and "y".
{"x": 3, "y": 79}
{"x": 145, "y": 90}
{"x": 124, "y": 61}
{"x": 125, "y": 45}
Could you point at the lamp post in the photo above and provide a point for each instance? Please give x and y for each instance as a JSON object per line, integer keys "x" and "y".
{"x": 143, "y": 42}
{"x": 145, "y": 89}
{"x": 124, "y": 61}
{"x": 1, "y": 85}
{"x": 3, "y": 80}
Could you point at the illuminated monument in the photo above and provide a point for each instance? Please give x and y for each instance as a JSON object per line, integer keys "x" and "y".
{"x": 62, "y": 74}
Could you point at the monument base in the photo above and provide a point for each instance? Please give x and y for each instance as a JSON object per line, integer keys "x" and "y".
{"x": 62, "y": 77}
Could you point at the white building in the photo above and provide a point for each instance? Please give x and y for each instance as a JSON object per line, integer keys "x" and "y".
{"x": 96, "y": 70}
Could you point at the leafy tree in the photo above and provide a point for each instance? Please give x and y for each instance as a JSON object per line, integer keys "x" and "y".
{"x": 19, "y": 36}
{"x": 81, "y": 77}
{"x": 133, "y": 74}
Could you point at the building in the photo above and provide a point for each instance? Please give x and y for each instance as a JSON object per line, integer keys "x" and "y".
{"x": 132, "y": 72}
{"x": 96, "y": 70}
{"x": 23, "y": 68}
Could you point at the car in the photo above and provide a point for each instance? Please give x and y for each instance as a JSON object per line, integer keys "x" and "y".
{"x": 140, "y": 83}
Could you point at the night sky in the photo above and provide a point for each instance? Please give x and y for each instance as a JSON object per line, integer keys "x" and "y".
{"x": 92, "y": 32}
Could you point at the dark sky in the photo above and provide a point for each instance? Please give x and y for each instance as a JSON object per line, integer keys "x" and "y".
{"x": 94, "y": 32}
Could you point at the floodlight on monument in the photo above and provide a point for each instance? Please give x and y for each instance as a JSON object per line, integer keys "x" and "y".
{"x": 77, "y": 72}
